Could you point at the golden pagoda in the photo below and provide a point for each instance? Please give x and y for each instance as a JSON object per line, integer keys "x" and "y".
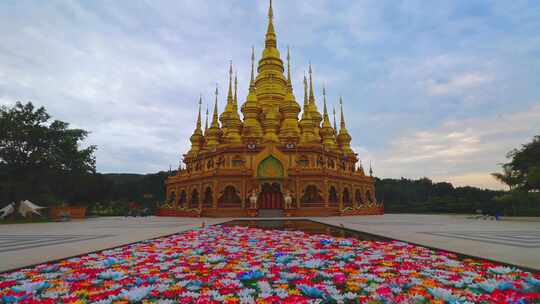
{"x": 270, "y": 161}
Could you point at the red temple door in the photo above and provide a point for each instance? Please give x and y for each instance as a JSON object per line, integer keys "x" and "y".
{"x": 271, "y": 196}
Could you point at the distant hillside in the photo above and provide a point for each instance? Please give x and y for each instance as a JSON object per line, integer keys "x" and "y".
{"x": 137, "y": 187}
{"x": 123, "y": 178}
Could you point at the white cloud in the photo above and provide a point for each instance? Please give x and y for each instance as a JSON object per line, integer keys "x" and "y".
{"x": 456, "y": 84}
{"x": 462, "y": 151}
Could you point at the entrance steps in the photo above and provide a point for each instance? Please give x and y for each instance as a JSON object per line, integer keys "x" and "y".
{"x": 270, "y": 212}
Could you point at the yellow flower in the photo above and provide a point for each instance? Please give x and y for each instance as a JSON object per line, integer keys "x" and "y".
{"x": 294, "y": 292}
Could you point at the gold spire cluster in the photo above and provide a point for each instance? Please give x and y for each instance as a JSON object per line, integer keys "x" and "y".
{"x": 270, "y": 110}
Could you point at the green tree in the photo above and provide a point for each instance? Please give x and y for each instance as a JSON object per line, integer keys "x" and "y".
{"x": 525, "y": 165}
{"x": 507, "y": 177}
{"x": 522, "y": 175}
{"x": 35, "y": 151}
{"x": 523, "y": 171}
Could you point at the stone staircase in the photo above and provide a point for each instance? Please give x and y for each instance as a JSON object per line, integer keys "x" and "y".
{"x": 270, "y": 212}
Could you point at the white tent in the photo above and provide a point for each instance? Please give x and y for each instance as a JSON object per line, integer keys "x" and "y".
{"x": 7, "y": 210}
{"x": 27, "y": 206}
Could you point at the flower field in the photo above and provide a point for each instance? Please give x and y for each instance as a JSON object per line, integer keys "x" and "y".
{"x": 220, "y": 264}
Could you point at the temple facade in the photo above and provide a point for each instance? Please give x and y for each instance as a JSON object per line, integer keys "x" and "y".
{"x": 278, "y": 158}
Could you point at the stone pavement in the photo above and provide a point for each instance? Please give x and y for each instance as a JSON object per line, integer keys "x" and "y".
{"x": 511, "y": 240}
{"x": 515, "y": 241}
{"x": 27, "y": 244}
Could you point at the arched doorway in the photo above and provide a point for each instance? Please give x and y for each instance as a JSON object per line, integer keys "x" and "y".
{"x": 183, "y": 199}
{"x": 208, "y": 198}
{"x": 270, "y": 196}
{"x": 229, "y": 198}
{"x": 347, "y": 202}
{"x": 194, "y": 202}
{"x": 332, "y": 196}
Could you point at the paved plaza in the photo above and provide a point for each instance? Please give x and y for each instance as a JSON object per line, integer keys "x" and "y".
{"x": 514, "y": 241}
{"x": 510, "y": 240}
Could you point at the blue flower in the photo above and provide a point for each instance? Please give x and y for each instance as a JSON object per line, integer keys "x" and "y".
{"x": 13, "y": 299}
{"x": 325, "y": 242}
{"x": 109, "y": 262}
{"x": 251, "y": 275}
{"x": 311, "y": 291}
{"x": 283, "y": 259}
{"x": 533, "y": 281}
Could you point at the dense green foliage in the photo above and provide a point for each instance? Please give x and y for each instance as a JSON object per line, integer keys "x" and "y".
{"x": 119, "y": 190}
{"x": 522, "y": 175}
{"x": 41, "y": 159}
{"x": 424, "y": 196}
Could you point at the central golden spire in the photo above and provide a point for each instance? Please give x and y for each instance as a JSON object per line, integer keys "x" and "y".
{"x": 270, "y": 32}
{"x": 270, "y": 82}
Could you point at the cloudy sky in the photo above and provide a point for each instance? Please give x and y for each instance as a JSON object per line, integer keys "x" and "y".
{"x": 431, "y": 88}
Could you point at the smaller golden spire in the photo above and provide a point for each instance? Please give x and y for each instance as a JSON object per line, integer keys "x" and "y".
{"x": 306, "y": 122}
{"x": 289, "y": 109}
{"x": 215, "y": 121}
{"x": 342, "y": 122}
{"x": 343, "y": 138}
{"x": 252, "y": 131}
{"x": 213, "y": 134}
{"x": 229, "y": 94}
{"x": 197, "y": 136}
{"x": 315, "y": 114}
{"x": 326, "y": 132}
{"x": 326, "y": 119}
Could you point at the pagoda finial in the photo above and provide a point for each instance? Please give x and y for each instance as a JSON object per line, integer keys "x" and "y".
{"x": 289, "y": 66}
{"x": 229, "y": 94}
{"x": 270, "y": 11}
{"x": 252, "y": 66}
{"x": 370, "y": 169}
{"x": 324, "y": 101}
{"x": 311, "y": 95}
{"x": 306, "y": 97}
{"x": 199, "y": 115}
{"x": 206, "y": 122}
{"x": 342, "y": 122}
{"x": 235, "y": 91}
{"x": 334, "y": 112}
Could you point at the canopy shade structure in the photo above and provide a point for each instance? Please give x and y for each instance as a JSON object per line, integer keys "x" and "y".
{"x": 27, "y": 207}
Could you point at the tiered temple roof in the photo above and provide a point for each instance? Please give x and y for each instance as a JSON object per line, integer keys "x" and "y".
{"x": 270, "y": 110}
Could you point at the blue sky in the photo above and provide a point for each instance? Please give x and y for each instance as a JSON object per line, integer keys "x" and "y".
{"x": 431, "y": 88}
